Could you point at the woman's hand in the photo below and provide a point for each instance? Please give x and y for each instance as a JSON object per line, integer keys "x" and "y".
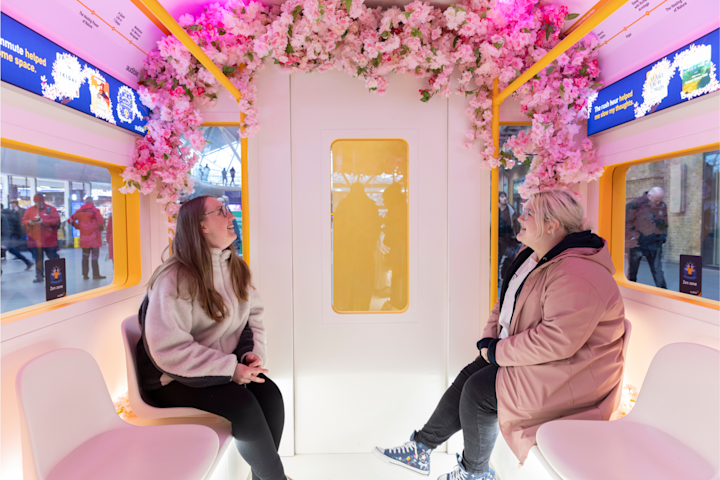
{"x": 246, "y": 374}
{"x": 252, "y": 360}
{"x": 483, "y": 353}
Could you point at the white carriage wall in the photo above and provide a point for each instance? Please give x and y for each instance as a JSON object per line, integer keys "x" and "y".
{"x": 271, "y": 233}
{"x": 92, "y": 325}
{"x": 658, "y": 321}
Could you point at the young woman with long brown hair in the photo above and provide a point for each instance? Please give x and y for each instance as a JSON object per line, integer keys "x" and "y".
{"x": 203, "y": 338}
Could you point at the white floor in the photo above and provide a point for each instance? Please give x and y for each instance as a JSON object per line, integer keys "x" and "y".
{"x": 360, "y": 466}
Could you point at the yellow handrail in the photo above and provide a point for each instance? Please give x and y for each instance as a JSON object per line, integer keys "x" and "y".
{"x": 180, "y": 33}
{"x": 495, "y": 183}
{"x": 604, "y": 12}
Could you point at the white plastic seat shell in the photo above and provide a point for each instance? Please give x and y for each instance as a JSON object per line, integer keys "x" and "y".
{"x": 672, "y": 432}
{"x": 71, "y": 431}
{"x": 536, "y": 466}
{"x": 131, "y": 335}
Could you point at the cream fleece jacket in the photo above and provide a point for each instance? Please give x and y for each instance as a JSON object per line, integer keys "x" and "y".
{"x": 185, "y": 342}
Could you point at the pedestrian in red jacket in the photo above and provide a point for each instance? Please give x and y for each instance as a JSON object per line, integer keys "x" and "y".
{"x": 90, "y": 222}
{"x": 41, "y": 222}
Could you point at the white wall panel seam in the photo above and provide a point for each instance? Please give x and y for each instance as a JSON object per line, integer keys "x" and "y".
{"x": 292, "y": 261}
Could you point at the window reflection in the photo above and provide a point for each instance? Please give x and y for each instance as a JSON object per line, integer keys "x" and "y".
{"x": 672, "y": 210}
{"x": 53, "y": 208}
{"x": 509, "y": 206}
{"x": 369, "y": 225}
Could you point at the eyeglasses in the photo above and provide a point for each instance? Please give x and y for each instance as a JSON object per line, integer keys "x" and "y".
{"x": 526, "y": 212}
{"x": 223, "y": 211}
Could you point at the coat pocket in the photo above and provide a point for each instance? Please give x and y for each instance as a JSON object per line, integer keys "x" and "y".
{"x": 541, "y": 387}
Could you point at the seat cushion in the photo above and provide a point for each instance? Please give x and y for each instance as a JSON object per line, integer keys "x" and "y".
{"x": 142, "y": 453}
{"x": 618, "y": 450}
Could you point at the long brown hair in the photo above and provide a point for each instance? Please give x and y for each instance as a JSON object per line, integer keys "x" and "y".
{"x": 191, "y": 260}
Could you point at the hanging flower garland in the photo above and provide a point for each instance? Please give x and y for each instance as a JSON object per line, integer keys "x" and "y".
{"x": 460, "y": 50}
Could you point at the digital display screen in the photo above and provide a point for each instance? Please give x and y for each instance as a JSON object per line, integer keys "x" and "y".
{"x": 687, "y": 73}
{"x": 34, "y": 63}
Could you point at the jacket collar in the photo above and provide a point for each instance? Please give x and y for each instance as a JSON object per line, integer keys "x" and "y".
{"x": 585, "y": 239}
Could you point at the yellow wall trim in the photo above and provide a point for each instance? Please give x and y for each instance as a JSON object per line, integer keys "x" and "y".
{"x": 126, "y": 233}
{"x": 611, "y": 223}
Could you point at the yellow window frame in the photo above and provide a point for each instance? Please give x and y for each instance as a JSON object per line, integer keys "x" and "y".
{"x": 340, "y": 312}
{"x": 126, "y": 233}
{"x": 244, "y": 181}
{"x": 611, "y": 223}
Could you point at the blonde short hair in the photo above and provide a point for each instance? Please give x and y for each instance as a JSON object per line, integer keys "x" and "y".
{"x": 559, "y": 205}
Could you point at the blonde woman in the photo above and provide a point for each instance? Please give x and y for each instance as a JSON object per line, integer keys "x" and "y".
{"x": 552, "y": 346}
{"x": 203, "y": 337}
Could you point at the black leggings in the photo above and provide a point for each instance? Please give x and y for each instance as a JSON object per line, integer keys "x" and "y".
{"x": 256, "y": 411}
{"x": 470, "y": 405}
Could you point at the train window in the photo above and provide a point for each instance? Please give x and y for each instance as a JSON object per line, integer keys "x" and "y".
{"x": 218, "y": 172}
{"x": 53, "y": 209}
{"x": 509, "y": 205}
{"x": 671, "y": 224}
{"x": 369, "y": 215}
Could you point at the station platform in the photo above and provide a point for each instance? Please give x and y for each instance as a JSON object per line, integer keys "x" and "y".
{"x": 19, "y": 291}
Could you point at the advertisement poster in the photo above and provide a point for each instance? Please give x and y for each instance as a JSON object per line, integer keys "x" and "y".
{"x": 34, "y": 63}
{"x": 684, "y": 74}
{"x": 691, "y": 274}
{"x": 55, "y": 286}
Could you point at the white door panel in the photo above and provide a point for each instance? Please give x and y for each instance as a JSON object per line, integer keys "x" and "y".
{"x": 366, "y": 379}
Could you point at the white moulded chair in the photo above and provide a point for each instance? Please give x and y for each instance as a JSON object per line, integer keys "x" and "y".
{"x": 536, "y": 467}
{"x": 131, "y": 334}
{"x": 671, "y": 433}
{"x": 149, "y": 415}
{"x": 71, "y": 431}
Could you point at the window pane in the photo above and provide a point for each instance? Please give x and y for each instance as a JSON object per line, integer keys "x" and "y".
{"x": 672, "y": 210}
{"x": 369, "y": 215}
{"x": 53, "y": 208}
{"x": 510, "y": 206}
{"x": 218, "y": 172}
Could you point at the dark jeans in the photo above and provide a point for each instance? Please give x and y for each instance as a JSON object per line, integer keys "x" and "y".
{"x": 653, "y": 253}
{"x": 15, "y": 251}
{"x": 256, "y": 411}
{"x": 470, "y": 405}
{"x": 37, "y": 254}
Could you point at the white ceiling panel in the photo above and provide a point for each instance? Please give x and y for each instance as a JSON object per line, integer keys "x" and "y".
{"x": 113, "y": 35}
{"x": 639, "y": 33}
{"x": 643, "y": 31}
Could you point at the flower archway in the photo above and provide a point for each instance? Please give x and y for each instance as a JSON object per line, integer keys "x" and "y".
{"x": 460, "y": 50}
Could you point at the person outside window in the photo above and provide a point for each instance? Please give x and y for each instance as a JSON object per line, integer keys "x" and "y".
{"x": 646, "y": 227}
{"x": 90, "y": 222}
{"x": 13, "y": 238}
{"x": 206, "y": 172}
{"x": 552, "y": 347}
{"x": 508, "y": 245}
{"x": 224, "y": 176}
{"x": 41, "y": 222}
{"x": 203, "y": 337}
{"x": 232, "y": 175}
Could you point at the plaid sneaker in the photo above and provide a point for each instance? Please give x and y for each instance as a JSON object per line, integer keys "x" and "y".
{"x": 459, "y": 473}
{"x": 412, "y": 455}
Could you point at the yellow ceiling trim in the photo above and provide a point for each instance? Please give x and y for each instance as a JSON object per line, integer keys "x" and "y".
{"x": 591, "y": 22}
{"x": 585, "y": 16}
{"x": 164, "y": 17}
{"x": 150, "y": 15}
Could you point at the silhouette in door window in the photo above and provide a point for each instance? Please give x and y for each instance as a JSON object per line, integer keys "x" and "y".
{"x": 356, "y": 231}
{"x": 396, "y": 237}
